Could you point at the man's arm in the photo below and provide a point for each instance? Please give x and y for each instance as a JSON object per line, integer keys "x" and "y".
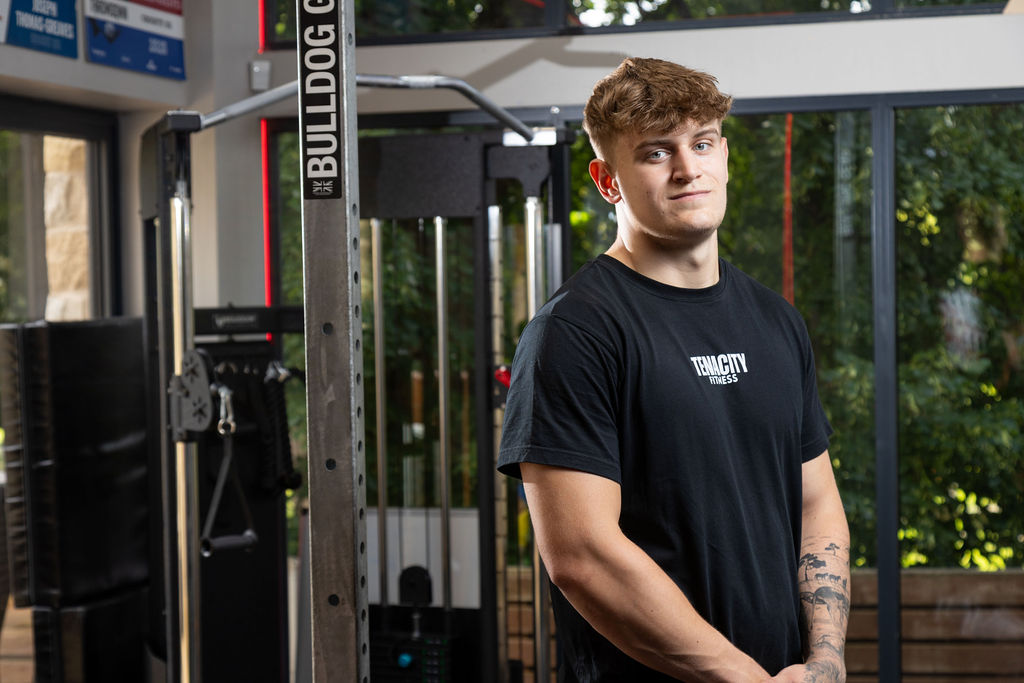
{"x": 823, "y": 577}
{"x": 616, "y": 586}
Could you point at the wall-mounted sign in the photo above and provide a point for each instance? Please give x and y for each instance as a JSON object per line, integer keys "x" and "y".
{"x": 45, "y": 25}
{"x": 141, "y": 35}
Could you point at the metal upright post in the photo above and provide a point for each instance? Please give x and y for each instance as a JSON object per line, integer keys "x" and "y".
{"x": 887, "y": 471}
{"x": 534, "y": 292}
{"x": 379, "y": 366}
{"x": 495, "y": 229}
{"x": 534, "y": 227}
{"x": 443, "y": 391}
{"x": 185, "y": 451}
{"x": 334, "y": 359}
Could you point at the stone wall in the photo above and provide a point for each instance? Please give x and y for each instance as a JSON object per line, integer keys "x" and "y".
{"x": 66, "y": 216}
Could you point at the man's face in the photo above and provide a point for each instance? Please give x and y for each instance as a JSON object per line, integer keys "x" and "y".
{"x": 669, "y": 188}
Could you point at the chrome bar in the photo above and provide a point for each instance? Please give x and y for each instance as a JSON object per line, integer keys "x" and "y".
{"x": 443, "y": 392}
{"x": 471, "y": 93}
{"x": 534, "y": 292}
{"x": 288, "y": 90}
{"x": 534, "y": 226}
{"x": 495, "y": 233}
{"x": 186, "y": 476}
{"x": 379, "y": 364}
{"x": 250, "y": 104}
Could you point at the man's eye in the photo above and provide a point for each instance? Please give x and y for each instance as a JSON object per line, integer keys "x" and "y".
{"x": 702, "y": 146}
{"x": 657, "y": 154}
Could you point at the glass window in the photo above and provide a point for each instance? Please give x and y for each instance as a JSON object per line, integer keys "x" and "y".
{"x": 799, "y": 222}
{"x": 960, "y": 227}
{"x": 382, "y": 18}
{"x": 631, "y": 12}
{"x": 939, "y": 3}
{"x": 47, "y": 231}
{"x": 417, "y": 17}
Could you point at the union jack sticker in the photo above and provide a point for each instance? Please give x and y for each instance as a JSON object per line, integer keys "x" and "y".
{"x": 323, "y": 187}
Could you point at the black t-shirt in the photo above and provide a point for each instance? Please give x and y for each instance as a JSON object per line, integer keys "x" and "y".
{"x": 702, "y": 405}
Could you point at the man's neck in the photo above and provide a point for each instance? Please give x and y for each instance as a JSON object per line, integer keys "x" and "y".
{"x": 691, "y": 267}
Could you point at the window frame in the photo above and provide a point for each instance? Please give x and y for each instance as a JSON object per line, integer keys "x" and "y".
{"x": 99, "y": 129}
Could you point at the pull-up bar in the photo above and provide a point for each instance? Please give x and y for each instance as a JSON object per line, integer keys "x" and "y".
{"x": 290, "y": 90}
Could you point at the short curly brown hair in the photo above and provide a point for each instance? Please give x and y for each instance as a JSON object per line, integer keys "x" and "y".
{"x": 650, "y": 95}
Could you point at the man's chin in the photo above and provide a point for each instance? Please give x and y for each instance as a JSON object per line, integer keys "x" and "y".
{"x": 688, "y": 237}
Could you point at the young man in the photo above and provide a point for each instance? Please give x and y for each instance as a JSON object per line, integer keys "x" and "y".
{"x": 664, "y": 418}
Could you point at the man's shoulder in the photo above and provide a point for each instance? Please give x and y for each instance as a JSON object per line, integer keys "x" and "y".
{"x": 591, "y": 291}
{"x": 753, "y": 287}
{"x": 763, "y": 295}
{"x": 771, "y": 307}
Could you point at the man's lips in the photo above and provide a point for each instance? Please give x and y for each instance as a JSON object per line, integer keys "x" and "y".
{"x": 690, "y": 195}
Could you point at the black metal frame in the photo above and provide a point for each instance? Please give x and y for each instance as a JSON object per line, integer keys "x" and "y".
{"x": 99, "y": 127}
{"x": 555, "y": 24}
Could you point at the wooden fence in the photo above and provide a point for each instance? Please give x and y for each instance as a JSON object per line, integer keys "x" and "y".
{"x": 957, "y": 626}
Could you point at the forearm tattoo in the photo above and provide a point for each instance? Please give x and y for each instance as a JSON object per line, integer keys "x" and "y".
{"x": 823, "y": 577}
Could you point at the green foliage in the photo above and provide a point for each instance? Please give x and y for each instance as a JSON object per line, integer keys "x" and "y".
{"x": 13, "y": 300}
{"x": 405, "y": 17}
{"x": 830, "y": 187}
{"x": 616, "y": 12}
{"x": 960, "y": 222}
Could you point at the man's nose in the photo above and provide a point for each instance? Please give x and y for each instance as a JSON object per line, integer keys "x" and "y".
{"x": 686, "y": 167}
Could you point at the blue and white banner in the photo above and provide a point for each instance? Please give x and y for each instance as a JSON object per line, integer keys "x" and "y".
{"x": 44, "y": 25}
{"x": 136, "y": 36}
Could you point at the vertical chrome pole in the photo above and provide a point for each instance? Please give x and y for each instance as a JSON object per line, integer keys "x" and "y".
{"x": 379, "y": 363}
{"x": 339, "y": 608}
{"x": 495, "y": 229}
{"x": 441, "y": 266}
{"x": 534, "y": 273}
{"x": 186, "y": 484}
{"x": 534, "y": 292}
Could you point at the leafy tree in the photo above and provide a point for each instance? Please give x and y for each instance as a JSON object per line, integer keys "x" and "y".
{"x": 13, "y": 301}
{"x": 960, "y": 222}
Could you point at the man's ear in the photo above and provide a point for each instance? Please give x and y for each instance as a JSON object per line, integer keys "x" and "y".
{"x": 605, "y": 180}
{"x": 725, "y": 150}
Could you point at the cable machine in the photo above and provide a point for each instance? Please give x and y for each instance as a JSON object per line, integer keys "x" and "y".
{"x": 339, "y": 607}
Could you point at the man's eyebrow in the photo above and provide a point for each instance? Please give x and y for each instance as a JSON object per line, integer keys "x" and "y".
{"x": 710, "y": 131}
{"x": 705, "y": 132}
{"x": 652, "y": 142}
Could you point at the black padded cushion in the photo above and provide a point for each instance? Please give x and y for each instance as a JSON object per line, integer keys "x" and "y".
{"x": 76, "y": 459}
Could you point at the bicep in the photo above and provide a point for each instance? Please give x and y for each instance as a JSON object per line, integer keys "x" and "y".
{"x": 820, "y": 492}
{"x": 569, "y": 508}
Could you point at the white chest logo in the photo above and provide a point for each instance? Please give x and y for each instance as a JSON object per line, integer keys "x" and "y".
{"x": 725, "y": 368}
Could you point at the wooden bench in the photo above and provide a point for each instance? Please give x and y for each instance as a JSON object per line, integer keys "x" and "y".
{"x": 957, "y": 626}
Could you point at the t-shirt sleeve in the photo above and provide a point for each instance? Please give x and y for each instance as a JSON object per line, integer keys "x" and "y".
{"x": 816, "y": 427}
{"x": 561, "y": 402}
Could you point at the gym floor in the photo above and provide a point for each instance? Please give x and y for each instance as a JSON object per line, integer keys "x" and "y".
{"x": 16, "y": 646}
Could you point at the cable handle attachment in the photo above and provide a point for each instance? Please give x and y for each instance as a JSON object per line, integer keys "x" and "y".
{"x": 226, "y": 424}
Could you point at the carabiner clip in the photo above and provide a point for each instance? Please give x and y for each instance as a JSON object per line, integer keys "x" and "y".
{"x": 226, "y": 424}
